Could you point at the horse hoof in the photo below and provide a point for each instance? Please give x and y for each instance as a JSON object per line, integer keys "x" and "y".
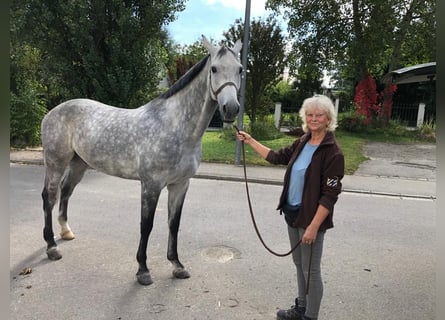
{"x": 181, "y": 274}
{"x": 144, "y": 278}
{"x": 67, "y": 235}
{"x": 53, "y": 253}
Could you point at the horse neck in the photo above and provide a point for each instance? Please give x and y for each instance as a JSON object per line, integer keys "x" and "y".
{"x": 195, "y": 106}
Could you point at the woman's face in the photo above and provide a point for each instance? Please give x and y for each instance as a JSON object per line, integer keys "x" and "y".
{"x": 316, "y": 120}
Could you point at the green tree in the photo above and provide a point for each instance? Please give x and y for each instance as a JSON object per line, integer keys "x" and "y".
{"x": 266, "y": 62}
{"x": 183, "y": 58}
{"x": 360, "y": 37}
{"x": 110, "y": 51}
{"x": 27, "y": 104}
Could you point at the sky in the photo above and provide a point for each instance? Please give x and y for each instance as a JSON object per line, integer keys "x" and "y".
{"x": 211, "y": 18}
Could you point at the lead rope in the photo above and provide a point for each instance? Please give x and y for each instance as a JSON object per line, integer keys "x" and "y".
{"x": 256, "y": 227}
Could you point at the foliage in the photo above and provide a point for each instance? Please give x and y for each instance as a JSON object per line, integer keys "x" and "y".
{"x": 386, "y": 99}
{"x": 183, "y": 58}
{"x": 427, "y": 131}
{"x": 355, "y": 37}
{"x": 27, "y": 105}
{"x": 352, "y": 122}
{"x": 291, "y": 120}
{"x": 391, "y": 131}
{"x": 365, "y": 98}
{"x": 26, "y": 114}
{"x": 266, "y": 61}
{"x": 374, "y": 106}
{"x": 264, "y": 130}
{"x": 110, "y": 51}
{"x": 289, "y": 97}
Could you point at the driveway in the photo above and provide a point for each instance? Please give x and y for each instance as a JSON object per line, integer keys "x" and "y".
{"x": 412, "y": 161}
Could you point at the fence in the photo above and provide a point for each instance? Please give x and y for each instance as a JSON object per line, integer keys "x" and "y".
{"x": 413, "y": 114}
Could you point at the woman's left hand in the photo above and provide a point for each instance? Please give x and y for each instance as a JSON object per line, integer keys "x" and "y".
{"x": 310, "y": 235}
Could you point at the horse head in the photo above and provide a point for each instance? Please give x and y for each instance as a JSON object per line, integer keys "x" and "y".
{"x": 225, "y": 78}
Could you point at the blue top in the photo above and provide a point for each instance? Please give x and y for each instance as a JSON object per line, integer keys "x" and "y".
{"x": 299, "y": 167}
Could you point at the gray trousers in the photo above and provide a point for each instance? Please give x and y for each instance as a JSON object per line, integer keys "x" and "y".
{"x": 301, "y": 259}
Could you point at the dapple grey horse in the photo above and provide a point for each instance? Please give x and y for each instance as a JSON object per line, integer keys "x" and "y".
{"x": 158, "y": 143}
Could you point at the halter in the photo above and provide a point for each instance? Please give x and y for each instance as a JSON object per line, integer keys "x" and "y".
{"x": 218, "y": 91}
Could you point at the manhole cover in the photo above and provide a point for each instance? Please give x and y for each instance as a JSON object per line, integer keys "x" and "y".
{"x": 220, "y": 254}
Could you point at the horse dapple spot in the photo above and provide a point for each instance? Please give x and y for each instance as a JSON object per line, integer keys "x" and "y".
{"x": 158, "y": 143}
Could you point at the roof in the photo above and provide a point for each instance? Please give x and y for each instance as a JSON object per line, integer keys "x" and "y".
{"x": 417, "y": 73}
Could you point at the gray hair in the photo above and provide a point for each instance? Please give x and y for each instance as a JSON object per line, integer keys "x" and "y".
{"x": 325, "y": 104}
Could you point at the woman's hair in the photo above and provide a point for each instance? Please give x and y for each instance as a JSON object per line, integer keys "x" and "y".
{"x": 322, "y": 102}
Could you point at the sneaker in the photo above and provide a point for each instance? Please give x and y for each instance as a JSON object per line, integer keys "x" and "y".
{"x": 294, "y": 313}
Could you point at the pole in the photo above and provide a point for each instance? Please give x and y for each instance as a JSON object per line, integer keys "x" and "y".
{"x": 243, "y": 79}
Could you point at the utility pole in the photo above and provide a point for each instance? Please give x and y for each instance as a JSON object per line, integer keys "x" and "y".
{"x": 243, "y": 79}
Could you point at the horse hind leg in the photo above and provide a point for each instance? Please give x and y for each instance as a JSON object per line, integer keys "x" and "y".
{"x": 49, "y": 197}
{"x": 176, "y": 197}
{"x": 70, "y": 179}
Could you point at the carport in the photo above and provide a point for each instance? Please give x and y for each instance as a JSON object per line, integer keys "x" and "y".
{"x": 416, "y": 81}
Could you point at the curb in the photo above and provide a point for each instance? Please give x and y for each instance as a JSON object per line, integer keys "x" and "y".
{"x": 268, "y": 182}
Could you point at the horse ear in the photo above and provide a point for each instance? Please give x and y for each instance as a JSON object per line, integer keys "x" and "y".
{"x": 209, "y": 46}
{"x": 237, "y": 47}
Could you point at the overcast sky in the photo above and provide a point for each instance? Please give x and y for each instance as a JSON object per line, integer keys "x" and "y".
{"x": 211, "y": 18}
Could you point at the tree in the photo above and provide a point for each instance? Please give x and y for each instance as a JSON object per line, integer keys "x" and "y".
{"x": 183, "y": 58}
{"x": 360, "y": 36}
{"x": 105, "y": 50}
{"x": 266, "y": 61}
{"x": 27, "y": 105}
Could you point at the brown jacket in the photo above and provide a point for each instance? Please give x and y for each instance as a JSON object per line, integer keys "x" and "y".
{"x": 322, "y": 179}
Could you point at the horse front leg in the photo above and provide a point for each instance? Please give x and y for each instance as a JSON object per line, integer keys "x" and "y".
{"x": 176, "y": 197}
{"x": 149, "y": 200}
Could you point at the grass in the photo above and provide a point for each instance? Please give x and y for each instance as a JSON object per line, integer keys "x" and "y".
{"x": 219, "y": 146}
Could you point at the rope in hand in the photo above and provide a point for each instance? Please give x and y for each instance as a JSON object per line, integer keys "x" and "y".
{"x": 254, "y": 221}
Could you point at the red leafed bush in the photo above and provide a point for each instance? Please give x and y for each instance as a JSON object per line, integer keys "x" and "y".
{"x": 371, "y": 104}
{"x": 365, "y": 99}
{"x": 385, "y": 98}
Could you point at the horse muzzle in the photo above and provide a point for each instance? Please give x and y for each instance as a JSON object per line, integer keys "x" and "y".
{"x": 228, "y": 102}
{"x": 229, "y": 110}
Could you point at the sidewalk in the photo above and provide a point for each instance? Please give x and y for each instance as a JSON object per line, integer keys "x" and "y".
{"x": 396, "y": 185}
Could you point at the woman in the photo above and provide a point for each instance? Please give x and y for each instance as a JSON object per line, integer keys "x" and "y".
{"x": 312, "y": 183}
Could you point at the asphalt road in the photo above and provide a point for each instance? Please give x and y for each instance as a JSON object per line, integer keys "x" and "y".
{"x": 378, "y": 263}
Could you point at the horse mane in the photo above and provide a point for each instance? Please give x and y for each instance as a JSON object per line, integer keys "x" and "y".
{"x": 185, "y": 79}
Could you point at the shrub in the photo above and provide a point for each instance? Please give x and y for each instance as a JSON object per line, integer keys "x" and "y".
{"x": 27, "y": 112}
{"x": 291, "y": 120}
{"x": 264, "y": 130}
{"x": 352, "y": 122}
{"x": 427, "y": 131}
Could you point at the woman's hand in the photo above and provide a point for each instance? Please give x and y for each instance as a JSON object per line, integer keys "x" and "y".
{"x": 310, "y": 235}
{"x": 262, "y": 150}
{"x": 244, "y": 137}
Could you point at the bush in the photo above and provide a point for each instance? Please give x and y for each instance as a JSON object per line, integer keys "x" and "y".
{"x": 427, "y": 131}
{"x": 27, "y": 112}
{"x": 352, "y": 122}
{"x": 264, "y": 130}
{"x": 291, "y": 120}
{"x": 228, "y": 134}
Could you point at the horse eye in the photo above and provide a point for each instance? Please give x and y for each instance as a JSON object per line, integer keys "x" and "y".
{"x": 214, "y": 69}
{"x": 240, "y": 70}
